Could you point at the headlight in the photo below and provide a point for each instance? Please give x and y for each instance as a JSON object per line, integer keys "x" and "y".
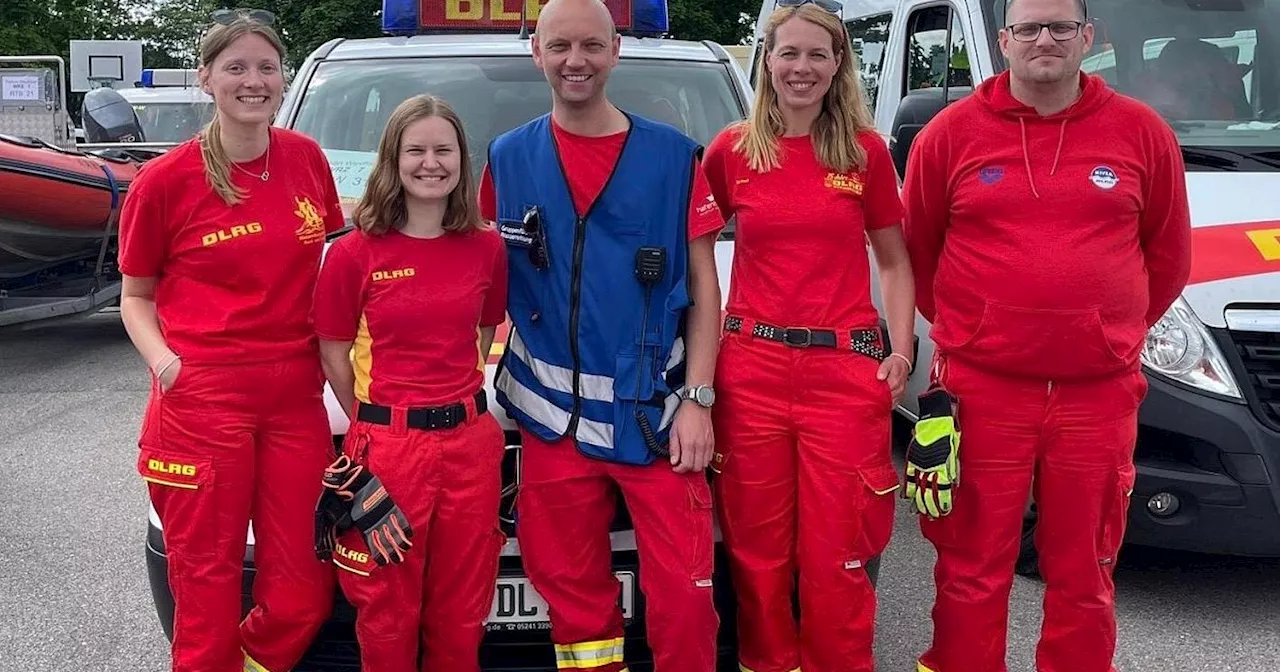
{"x": 1178, "y": 347}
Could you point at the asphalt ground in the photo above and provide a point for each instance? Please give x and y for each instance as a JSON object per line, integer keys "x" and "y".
{"x": 73, "y": 586}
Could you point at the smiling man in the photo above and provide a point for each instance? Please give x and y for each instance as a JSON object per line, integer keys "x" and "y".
{"x": 615, "y": 305}
{"x": 1048, "y": 226}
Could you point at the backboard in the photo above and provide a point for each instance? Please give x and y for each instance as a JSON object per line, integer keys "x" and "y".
{"x": 114, "y": 63}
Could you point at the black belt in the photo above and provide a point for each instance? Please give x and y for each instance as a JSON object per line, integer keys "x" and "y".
{"x": 872, "y": 342}
{"x": 437, "y": 417}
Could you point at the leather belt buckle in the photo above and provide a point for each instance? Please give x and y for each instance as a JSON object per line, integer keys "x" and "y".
{"x": 792, "y": 337}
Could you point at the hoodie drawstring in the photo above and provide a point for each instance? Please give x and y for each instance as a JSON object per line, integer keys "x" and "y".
{"x": 1026, "y": 158}
{"x": 1026, "y": 153}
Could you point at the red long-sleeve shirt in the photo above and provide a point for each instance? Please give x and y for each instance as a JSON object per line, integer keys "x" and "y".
{"x": 1047, "y": 246}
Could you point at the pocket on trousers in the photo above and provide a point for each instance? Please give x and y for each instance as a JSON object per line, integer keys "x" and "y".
{"x": 702, "y": 542}
{"x": 1111, "y": 526}
{"x": 879, "y": 483}
{"x": 181, "y": 490}
{"x": 351, "y": 554}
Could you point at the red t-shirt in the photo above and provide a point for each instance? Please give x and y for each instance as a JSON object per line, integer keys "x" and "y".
{"x": 413, "y": 307}
{"x": 233, "y": 284}
{"x": 588, "y": 163}
{"x": 800, "y": 255}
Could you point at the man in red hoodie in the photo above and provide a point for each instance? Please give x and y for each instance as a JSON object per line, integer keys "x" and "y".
{"x": 1048, "y": 226}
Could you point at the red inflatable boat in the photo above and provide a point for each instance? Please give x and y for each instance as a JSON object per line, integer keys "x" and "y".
{"x": 55, "y": 203}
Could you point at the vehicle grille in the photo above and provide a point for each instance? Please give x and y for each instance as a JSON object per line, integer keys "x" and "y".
{"x": 1259, "y": 354}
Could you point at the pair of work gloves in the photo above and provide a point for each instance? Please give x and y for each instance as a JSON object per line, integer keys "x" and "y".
{"x": 933, "y": 455}
{"x": 353, "y": 497}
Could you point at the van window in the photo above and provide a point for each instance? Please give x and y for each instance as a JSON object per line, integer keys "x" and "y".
{"x": 937, "y": 50}
{"x": 1210, "y": 67}
{"x": 867, "y": 38}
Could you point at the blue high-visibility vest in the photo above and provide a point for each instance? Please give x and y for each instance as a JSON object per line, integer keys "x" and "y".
{"x": 576, "y": 363}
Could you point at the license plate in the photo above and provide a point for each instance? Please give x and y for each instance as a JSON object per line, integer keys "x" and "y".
{"x": 516, "y": 605}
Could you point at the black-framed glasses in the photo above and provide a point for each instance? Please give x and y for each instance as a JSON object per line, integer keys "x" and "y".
{"x": 227, "y": 17}
{"x": 833, "y": 6}
{"x": 1060, "y": 31}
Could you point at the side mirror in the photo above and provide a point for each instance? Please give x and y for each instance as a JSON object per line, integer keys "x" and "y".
{"x": 916, "y": 110}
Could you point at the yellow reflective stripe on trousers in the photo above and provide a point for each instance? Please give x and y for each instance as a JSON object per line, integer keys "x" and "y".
{"x": 586, "y": 655}
{"x": 744, "y": 668}
{"x": 921, "y": 668}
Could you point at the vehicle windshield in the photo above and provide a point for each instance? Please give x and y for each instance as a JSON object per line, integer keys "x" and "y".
{"x": 172, "y": 122}
{"x": 1210, "y": 67}
{"x": 347, "y": 103}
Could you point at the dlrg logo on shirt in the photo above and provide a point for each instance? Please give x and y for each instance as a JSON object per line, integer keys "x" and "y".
{"x": 228, "y": 234}
{"x": 393, "y": 275}
{"x": 851, "y": 184}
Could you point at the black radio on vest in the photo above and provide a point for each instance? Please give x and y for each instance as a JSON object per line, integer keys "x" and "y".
{"x": 651, "y": 263}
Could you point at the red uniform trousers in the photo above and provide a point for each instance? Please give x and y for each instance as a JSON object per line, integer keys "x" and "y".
{"x": 448, "y": 483}
{"x": 805, "y": 486}
{"x": 566, "y": 505}
{"x": 224, "y": 445}
{"x": 1074, "y": 440}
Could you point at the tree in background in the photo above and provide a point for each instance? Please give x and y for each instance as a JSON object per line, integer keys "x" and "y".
{"x": 171, "y": 29}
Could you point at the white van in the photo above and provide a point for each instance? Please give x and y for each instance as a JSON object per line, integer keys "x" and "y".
{"x": 170, "y": 105}
{"x": 1208, "y": 450}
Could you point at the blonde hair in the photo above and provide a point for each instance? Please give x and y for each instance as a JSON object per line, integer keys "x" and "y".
{"x": 217, "y": 165}
{"x": 844, "y": 107}
{"x": 382, "y": 206}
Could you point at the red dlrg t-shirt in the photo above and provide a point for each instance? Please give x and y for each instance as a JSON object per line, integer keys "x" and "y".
{"x": 234, "y": 284}
{"x": 800, "y": 254}
{"x": 413, "y": 307}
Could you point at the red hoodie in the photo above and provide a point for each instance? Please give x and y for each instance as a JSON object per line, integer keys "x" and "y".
{"x": 1046, "y": 247}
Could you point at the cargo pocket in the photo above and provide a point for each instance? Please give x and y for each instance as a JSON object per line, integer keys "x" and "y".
{"x": 351, "y": 554}
{"x": 637, "y": 416}
{"x": 702, "y": 532}
{"x": 879, "y": 485}
{"x": 1114, "y": 515}
{"x": 181, "y": 490}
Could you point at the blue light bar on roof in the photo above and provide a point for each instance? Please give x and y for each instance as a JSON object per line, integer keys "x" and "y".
{"x": 148, "y": 78}
{"x": 414, "y": 17}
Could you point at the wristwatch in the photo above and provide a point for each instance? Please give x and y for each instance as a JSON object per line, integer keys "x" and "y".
{"x": 702, "y": 395}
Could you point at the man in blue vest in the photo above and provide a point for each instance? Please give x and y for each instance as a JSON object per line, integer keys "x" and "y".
{"x": 614, "y": 302}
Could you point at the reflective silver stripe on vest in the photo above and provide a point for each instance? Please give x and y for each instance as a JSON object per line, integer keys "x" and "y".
{"x": 559, "y": 378}
{"x": 587, "y": 655}
{"x": 546, "y": 413}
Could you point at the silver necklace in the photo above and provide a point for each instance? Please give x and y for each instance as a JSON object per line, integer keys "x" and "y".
{"x": 266, "y": 172}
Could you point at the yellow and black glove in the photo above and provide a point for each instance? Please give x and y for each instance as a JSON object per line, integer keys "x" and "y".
{"x": 933, "y": 455}
{"x": 385, "y": 528}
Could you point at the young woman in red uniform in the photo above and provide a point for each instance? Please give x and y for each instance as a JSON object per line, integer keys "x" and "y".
{"x": 418, "y": 292}
{"x": 220, "y": 243}
{"x": 806, "y": 378}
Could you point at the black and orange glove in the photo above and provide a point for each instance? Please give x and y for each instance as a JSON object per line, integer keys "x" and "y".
{"x": 385, "y": 528}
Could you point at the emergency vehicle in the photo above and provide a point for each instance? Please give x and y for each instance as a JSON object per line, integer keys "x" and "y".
{"x": 478, "y": 57}
{"x": 170, "y": 105}
{"x": 1208, "y": 449}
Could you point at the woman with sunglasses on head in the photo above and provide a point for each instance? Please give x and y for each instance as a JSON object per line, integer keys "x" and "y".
{"x": 220, "y": 245}
{"x": 406, "y": 310}
{"x": 806, "y": 378}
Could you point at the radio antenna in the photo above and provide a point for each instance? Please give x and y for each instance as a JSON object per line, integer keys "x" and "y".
{"x": 524, "y": 19}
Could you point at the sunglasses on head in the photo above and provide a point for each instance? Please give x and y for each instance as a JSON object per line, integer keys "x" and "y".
{"x": 833, "y": 6}
{"x": 227, "y": 17}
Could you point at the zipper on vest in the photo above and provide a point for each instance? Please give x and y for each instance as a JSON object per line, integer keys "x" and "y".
{"x": 575, "y": 301}
{"x": 575, "y": 282}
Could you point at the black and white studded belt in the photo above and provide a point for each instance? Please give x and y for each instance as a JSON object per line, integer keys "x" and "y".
{"x": 872, "y": 342}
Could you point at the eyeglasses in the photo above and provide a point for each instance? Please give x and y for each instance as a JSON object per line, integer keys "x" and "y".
{"x": 227, "y": 17}
{"x": 1060, "y": 31}
{"x": 833, "y": 6}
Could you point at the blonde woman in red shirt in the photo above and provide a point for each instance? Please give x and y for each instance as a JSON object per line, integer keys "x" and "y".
{"x": 806, "y": 378}
{"x": 416, "y": 294}
{"x": 220, "y": 243}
